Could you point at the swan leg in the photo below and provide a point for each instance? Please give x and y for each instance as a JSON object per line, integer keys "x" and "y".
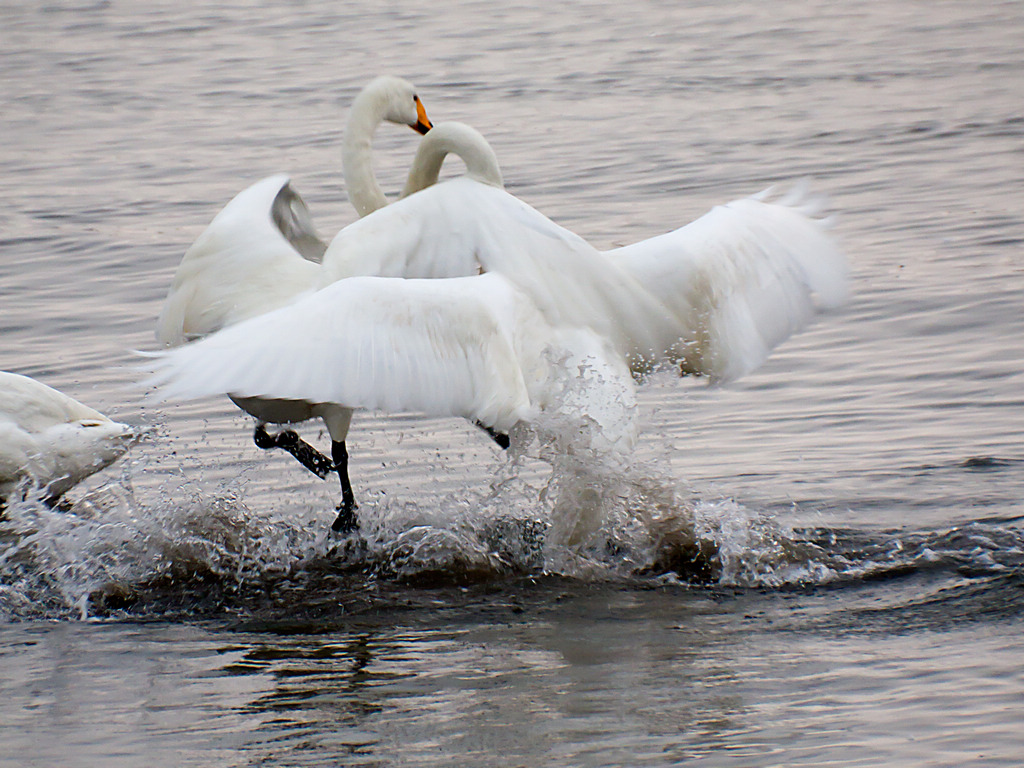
{"x": 290, "y": 441}
{"x": 346, "y": 521}
{"x": 499, "y": 437}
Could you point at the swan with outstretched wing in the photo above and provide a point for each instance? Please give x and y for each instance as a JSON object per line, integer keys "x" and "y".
{"x": 261, "y": 252}
{"x": 539, "y": 306}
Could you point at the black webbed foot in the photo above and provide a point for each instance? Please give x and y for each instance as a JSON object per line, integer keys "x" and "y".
{"x": 346, "y": 521}
{"x": 320, "y": 466}
{"x": 290, "y": 441}
{"x": 499, "y": 437}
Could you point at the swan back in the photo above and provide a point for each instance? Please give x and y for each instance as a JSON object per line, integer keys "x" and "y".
{"x": 50, "y": 440}
{"x": 457, "y": 139}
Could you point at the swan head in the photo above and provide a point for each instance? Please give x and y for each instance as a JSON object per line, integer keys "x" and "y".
{"x": 385, "y": 98}
{"x": 67, "y": 453}
{"x": 393, "y": 99}
{"x": 94, "y": 443}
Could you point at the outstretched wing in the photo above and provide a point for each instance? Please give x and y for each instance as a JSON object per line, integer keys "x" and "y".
{"x": 440, "y": 347}
{"x": 739, "y": 280}
{"x": 258, "y": 253}
{"x": 464, "y": 227}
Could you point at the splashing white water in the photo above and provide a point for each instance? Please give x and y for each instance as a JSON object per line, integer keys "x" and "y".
{"x": 110, "y": 543}
{"x": 592, "y": 514}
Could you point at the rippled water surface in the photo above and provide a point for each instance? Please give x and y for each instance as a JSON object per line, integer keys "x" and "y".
{"x": 821, "y": 564}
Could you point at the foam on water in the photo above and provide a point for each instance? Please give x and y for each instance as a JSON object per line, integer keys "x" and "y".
{"x": 592, "y": 513}
{"x": 591, "y": 517}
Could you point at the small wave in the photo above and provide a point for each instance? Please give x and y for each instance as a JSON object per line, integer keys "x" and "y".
{"x": 974, "y": 549}
{"x": 982, "y": 463}
{"x": 200, "y": 552}
{"x": 204, "y": 553}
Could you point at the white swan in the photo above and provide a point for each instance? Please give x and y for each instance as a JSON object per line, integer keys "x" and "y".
{"x": 241, "y": 267}
{"x": 262, "y": 248}
{"x": 50, "y": 441}
{"x": 385, "y": 98}
{"x": 548, "y": 315}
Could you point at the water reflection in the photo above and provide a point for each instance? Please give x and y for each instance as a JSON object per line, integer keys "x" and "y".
{"x": 582, "y": 674}
{"x": 589, "y": 673}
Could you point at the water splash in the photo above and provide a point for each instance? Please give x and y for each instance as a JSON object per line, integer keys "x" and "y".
{"x": 555, "y": 506}
{"x": 201, "y": 549}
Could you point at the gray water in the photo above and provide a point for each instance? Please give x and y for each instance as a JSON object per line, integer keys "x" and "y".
{"x": 822, "y": 564}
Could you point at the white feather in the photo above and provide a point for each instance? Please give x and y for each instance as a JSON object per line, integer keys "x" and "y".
{"x": 714, "y": 296}
{"x": 739, "y": 280}
{"x": 443, "y": 347}
{"x": 51, "y": 441}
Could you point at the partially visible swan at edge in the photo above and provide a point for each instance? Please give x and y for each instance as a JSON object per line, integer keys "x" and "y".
{"x": 50, "y": 441}
{"x": 498, "y": 348}
{"x": 245, "y": 265}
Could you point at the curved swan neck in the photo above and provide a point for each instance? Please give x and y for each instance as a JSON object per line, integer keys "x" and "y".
{"x": 357, "y": 163}
{"x": 385, "y": 98}
{"x": 457, "y": 139}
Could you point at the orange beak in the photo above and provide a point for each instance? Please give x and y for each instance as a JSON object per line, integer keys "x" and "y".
{"x": 422, "y": 121}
